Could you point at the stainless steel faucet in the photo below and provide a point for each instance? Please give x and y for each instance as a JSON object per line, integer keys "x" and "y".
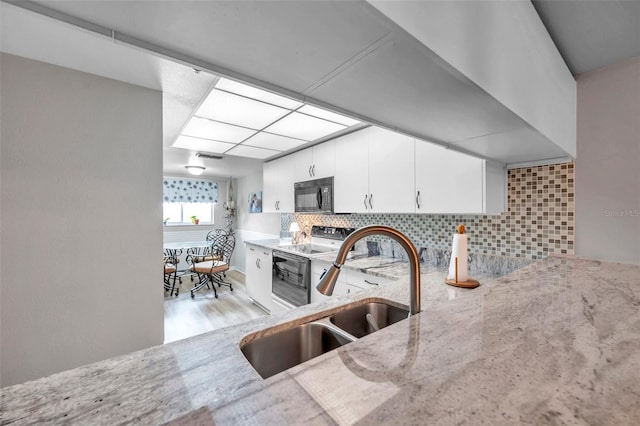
{"x": 328, "y": 280}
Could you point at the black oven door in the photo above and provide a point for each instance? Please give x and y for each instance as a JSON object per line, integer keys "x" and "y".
{"x": 291, "y": 278}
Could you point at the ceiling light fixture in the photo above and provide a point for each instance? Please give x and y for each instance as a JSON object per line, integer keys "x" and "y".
{"x": 195, "y": 170}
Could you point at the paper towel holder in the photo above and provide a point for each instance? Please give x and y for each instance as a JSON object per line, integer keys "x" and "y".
{"x": 469, "y": 283}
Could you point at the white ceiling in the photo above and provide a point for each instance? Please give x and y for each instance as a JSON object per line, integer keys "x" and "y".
{"x": 364, "y": 53}
{"x": 591, "y": 34}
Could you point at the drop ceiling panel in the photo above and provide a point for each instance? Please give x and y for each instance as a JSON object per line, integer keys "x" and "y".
{"x": 234, "y": 109}
{"x": 197, "y": 144}
{"x": 271, "y": 141}
{"x": 251, "y": 152}
{"x": 208, "y": 129}
{"x": 406, "y": 86}
{"x": 257, "y": 94}
{"x": 328, "y": 115}
{"x": 305, "y": 127}
{"x": 290, "y": 44}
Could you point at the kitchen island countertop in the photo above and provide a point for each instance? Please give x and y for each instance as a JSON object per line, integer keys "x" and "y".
{"x": 556, "y": 342}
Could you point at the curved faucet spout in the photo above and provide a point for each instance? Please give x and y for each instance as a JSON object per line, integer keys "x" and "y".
{"x": 328, "y": 280}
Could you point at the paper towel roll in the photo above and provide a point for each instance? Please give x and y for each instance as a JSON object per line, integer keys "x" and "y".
{"x": 459, "y": 250}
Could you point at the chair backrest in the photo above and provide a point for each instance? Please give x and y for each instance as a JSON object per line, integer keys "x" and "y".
{"x": 216, "y": 236}
{"x": 226, "y": 248}
{"x": 171, "y": 256}
{"x": 194, "y": 253}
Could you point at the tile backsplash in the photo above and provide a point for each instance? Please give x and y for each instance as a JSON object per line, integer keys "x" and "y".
{"x": 539, "y": 220}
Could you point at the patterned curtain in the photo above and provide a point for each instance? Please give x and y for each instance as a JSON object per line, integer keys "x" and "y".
{"x": 185, "y": 190}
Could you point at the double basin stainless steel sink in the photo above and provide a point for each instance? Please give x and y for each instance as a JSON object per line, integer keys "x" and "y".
{"x": 276, "y": 352}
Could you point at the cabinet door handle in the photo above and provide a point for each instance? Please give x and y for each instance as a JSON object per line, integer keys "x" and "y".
{"x": 258, "y": 263}
{"x": 348, "y": 290}
{"x": 313, "y": 170}
{"x": 365, "y": 201}
{"x": 370, "y": 201}
{"x": 310, "y": 175}
{"x": 252, "y": 249}
{"x": 418, "y": 199}
{"x": 370, "y": 282}
{"x": 265, "y": 253}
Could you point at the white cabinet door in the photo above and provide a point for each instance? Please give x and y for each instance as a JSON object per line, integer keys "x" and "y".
{"x": 258, "y": 275}
{"x": 286, "y": 172}
{"x": 277, "y": 185}
{"x": 270, "y": 187}
{"x": 324, "y": 160}
{"x": 252, "y": 276}
{"x": 302, "y": 165}
{"x": 447, "y": 181}
{"x": 317, "y": 269}
{"x": 351, "y": 183}
{"x": 263, "y": 295}
{"x": 391, "y": 172}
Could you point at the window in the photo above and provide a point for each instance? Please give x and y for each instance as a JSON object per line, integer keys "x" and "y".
{"x": 180, "y": 213}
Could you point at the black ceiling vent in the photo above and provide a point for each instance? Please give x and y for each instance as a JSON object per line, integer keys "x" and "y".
{"x": 210, "y": 156}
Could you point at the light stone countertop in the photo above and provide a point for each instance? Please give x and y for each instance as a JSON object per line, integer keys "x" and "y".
{"x": 556, "y": 342}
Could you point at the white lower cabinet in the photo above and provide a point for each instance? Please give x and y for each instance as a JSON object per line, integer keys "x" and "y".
{"x": 364, "y": 281}
{"x": 258, "y": 275}
{"x": 349, "y": 281}
{"x": 317, "y": 269}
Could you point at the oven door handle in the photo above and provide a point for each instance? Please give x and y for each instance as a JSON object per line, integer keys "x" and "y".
{"x": 319, "y": 198}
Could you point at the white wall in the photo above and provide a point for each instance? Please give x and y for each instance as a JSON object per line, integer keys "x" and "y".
{"x": 251, "y": 226}
{"x": 81, "y": 170}
{"x": 607, "y": 178}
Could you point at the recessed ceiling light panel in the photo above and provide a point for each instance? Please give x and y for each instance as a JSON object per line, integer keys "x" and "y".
{"x": 305, "y": 127}
{"x": 206, "y": 145}
{"x": 328, "y": 115}
{"x": 251, "y": 152}
{"x": 258, "y": 94}
{"x": 271, "y": 141}
{"x": 238, "y": 110}
{"x": 207, "y": 129}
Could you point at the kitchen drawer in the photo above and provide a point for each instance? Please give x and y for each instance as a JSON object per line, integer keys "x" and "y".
{"x": 365, "y": 281}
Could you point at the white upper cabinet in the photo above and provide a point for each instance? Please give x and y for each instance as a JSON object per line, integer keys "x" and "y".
{"x": 391, "y": 172}
{"x": 447, "y": 181}
{"x": 452, "y": 182}
{"x": 302, "y": 165}
{"x": 374, "y": 172}
{"x": 324, "y": 160}
{"x": 351, "y": 182}
{"x": 316, "y": 162}
{"x": 277, "y": 183}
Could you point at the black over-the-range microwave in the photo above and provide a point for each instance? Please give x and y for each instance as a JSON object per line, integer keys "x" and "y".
{"x": 314, "y": 196}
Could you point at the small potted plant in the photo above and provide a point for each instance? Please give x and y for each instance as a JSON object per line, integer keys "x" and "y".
{"x": 195, "y": 220}
{"x": 166, "y": 219}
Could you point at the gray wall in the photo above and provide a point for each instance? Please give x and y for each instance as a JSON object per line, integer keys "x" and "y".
{"x": 81, "y": 219}
{"x": 607, "y": 178}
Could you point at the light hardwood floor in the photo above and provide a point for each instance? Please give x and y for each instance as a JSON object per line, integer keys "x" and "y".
{"x": 185, "y": 317}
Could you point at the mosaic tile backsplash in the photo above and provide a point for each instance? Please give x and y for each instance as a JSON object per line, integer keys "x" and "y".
{"x": 539, "y": 220}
